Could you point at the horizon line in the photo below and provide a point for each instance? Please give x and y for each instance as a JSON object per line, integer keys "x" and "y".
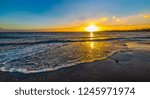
{"x": 144, "y": 29}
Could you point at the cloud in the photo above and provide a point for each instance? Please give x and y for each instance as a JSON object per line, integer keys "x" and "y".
{"x": 137, "y": 19}
{"x": 104, "y": 19}
{"x": 145, "y": 15}
{"x": 114, "y": 17}
{"x": 118, "y": 20}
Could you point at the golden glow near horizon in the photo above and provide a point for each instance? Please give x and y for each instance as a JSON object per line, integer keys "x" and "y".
{"x": 92, "y": 28}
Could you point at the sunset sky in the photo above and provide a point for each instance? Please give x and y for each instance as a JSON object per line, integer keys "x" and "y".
{"x": 73, "y": 15}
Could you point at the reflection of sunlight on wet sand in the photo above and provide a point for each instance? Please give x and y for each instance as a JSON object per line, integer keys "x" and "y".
{"x": 92, "y": 45}
{"x": 92, "y": 50}
{"x": 89, "y": 51}
{"x": 95, "y": 50}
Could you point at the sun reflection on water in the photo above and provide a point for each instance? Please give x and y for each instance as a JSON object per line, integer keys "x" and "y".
{"x": 92, "y": 45}
{"x": 91, "y": 38}
{"x": 89, "y": 51}
{"x": 91, "y": 35}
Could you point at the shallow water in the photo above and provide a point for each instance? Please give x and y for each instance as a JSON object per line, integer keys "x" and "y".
{"x": 37, "y": 52}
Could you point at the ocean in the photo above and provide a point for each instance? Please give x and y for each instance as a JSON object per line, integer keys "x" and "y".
{"x": 31, "y": 52}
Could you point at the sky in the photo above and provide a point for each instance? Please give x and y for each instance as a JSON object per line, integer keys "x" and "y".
{"x": 73, "y": 15}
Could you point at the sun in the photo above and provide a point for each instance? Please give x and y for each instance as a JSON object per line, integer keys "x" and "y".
{"x": 92, "y": 28}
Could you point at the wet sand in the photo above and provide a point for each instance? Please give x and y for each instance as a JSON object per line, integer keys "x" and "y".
{"x": 132, "y": 65}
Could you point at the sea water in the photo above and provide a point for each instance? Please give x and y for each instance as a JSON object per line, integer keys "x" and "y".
{"x": 29, "y": 52}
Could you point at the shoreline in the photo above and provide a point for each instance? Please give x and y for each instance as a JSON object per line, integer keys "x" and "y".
{"x": 124, "y": 66}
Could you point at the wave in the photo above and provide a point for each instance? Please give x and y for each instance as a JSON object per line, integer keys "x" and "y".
{"x": 3, "y": 67}
{"x": 14, "y": 54}
{"x": 48, "y": 54}
{"x": 78, "y": 40}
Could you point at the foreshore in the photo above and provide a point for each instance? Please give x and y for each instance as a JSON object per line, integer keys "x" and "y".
{"x": 132, "y": 65}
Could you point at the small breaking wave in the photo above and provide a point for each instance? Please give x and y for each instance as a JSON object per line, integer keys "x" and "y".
{"x": 73, "y": 63}
{"x": 78, "y": 40}
{"x": 32, "y": 53}
{"x": 14, "y": 54}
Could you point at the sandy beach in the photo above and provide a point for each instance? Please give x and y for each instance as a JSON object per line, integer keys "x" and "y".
{"x": 131, "y": 65}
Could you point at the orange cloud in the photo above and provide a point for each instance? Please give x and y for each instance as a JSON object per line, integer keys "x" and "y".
{"x": 118, "y": 20}
{"x": 146, "y": 16}
{"x": 130, "y": 22}
{"x": 104, "y": 19}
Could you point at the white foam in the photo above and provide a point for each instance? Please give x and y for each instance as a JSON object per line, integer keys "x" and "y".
{"x": 13, "y": 54}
